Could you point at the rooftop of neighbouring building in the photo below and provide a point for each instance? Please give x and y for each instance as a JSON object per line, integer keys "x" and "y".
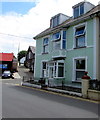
{"x": 6, "y": 56}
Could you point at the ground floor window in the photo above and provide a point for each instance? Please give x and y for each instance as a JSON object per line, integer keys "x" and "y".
{"x": 56, "y": 69}
{"x": 44, "y": 69}
{"x": 80, "y": 67}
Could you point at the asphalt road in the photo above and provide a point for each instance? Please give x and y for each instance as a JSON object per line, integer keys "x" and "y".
{"x": 22, "y": 102}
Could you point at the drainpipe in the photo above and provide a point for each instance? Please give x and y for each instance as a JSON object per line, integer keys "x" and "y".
{"x": 98, "y": 49}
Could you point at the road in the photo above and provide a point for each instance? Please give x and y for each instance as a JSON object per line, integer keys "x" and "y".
{"x": 24, "y": 102}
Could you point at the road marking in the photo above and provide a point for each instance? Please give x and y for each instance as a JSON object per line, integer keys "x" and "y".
{"x": 97, "y": 102}
{"x": 60, "y": 94}
{"x": 14, "y": 84}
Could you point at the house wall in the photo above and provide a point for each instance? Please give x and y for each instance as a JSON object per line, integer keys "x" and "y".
{"x": 70, "y": 53}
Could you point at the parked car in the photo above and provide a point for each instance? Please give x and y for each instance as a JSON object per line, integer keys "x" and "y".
{"x": 7, "y": 74}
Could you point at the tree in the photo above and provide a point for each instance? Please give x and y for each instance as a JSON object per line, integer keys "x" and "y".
{"x": 21, "y": 54}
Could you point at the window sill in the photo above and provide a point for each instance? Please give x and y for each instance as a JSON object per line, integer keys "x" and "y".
{"x": 80, "y": 47}
{"x": 45, "y": 53}
{"x": 59, "y": 77}
{"x": 77, "y": 82}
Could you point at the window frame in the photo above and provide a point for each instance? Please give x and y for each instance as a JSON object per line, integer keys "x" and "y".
{"x": 80, "y": 35}
{"x": 55, "y": 21}
{"x": 60, "y": 39}
{"x": 45, "y": 70}
{"x": 79, "y": 10}
{"x": 55, "y": 71}
{"x": 45, "y": 45}
{"x": 74, "y": 67}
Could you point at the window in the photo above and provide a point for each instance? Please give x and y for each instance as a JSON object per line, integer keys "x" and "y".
{"x": 56, "y": 41}
{"x": 45, "y": 45}
{"x": 55, "y": 21}
{"x": 80, "y": 68}
{"x": 56, "y": 69}
{"x": 80, "y": 37}
{"x": 56, "y": 36}
{"x": 59, "y": 40}
{"x": 60, "y": 69}
{"x": 57, "y": 45}
{"x": 44, "y": 69}
{"x": 79, "y": 10}
{"x": 64, "y": 40}
{"x": 76, "y": 12}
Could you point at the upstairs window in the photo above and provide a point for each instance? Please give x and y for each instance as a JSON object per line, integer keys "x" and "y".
{"x": 56, "y": 41}
{"x": 80, "y": 37}
{"x": 64, "y": 40}
{"x": 55, "y": 21}
{"x": 59, "y": 40}
{"x": 56, "y": 36}
{"x": 45, "y": 45}
{"x": 79, "y": 10}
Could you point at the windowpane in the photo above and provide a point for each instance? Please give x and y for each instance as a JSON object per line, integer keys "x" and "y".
{"x": 80, "y": 64}
{"x": 44, "y": 69}
{"x": 55, "y": 21}
{"x": 80, "y": 41}
{"x": 76, "y": 12}
{"x": 56, "y": 36}
{"x": 64, "y": 34}
{"x": 80, "y": 31}
{"x": 81, "y": 9}
{"x": 60, "y": 71}
{"x": 44, "y": 65}
{"x": 64, "y": 40}
{"x": 46, "y": 40}
{"x": 44, "y": 73}
{"x": 64, "y": 44}
{"x": 45, "y": 49}
{"x": 56, "y": 45}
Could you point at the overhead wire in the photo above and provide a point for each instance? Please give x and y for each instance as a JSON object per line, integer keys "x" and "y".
{"x": 16, "y": 36}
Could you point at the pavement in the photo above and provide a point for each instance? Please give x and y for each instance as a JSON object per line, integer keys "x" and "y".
{"x": 16, "y": 75}
{"x": 52, "y": 89}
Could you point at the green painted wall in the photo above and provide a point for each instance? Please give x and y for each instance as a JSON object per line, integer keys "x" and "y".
{"x": 70, "y": 52}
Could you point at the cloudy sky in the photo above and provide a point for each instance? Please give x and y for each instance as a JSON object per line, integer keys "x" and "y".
{"x": 21, "y": 20}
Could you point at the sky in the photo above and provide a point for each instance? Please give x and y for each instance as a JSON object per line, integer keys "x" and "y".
{"x": 21, "y": 20}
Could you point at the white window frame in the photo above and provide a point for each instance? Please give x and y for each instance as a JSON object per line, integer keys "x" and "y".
{"x": 55, "y": 73}
{"x": 44, "y": 45}
{"x": 74, "y": 66}
{"x": 44, "y": 69}
{"x": 74, "y": 36}
{"x": 60, "y": 39}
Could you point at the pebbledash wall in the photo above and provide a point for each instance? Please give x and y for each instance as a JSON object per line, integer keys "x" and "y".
{"x": 70, "y": 54}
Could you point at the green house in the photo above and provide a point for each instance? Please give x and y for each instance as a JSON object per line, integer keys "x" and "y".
{"x": 69, "y": 47}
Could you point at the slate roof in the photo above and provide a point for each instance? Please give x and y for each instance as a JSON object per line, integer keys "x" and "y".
{"x": 32, "y": 48}
{"x": 71, "y": 21}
